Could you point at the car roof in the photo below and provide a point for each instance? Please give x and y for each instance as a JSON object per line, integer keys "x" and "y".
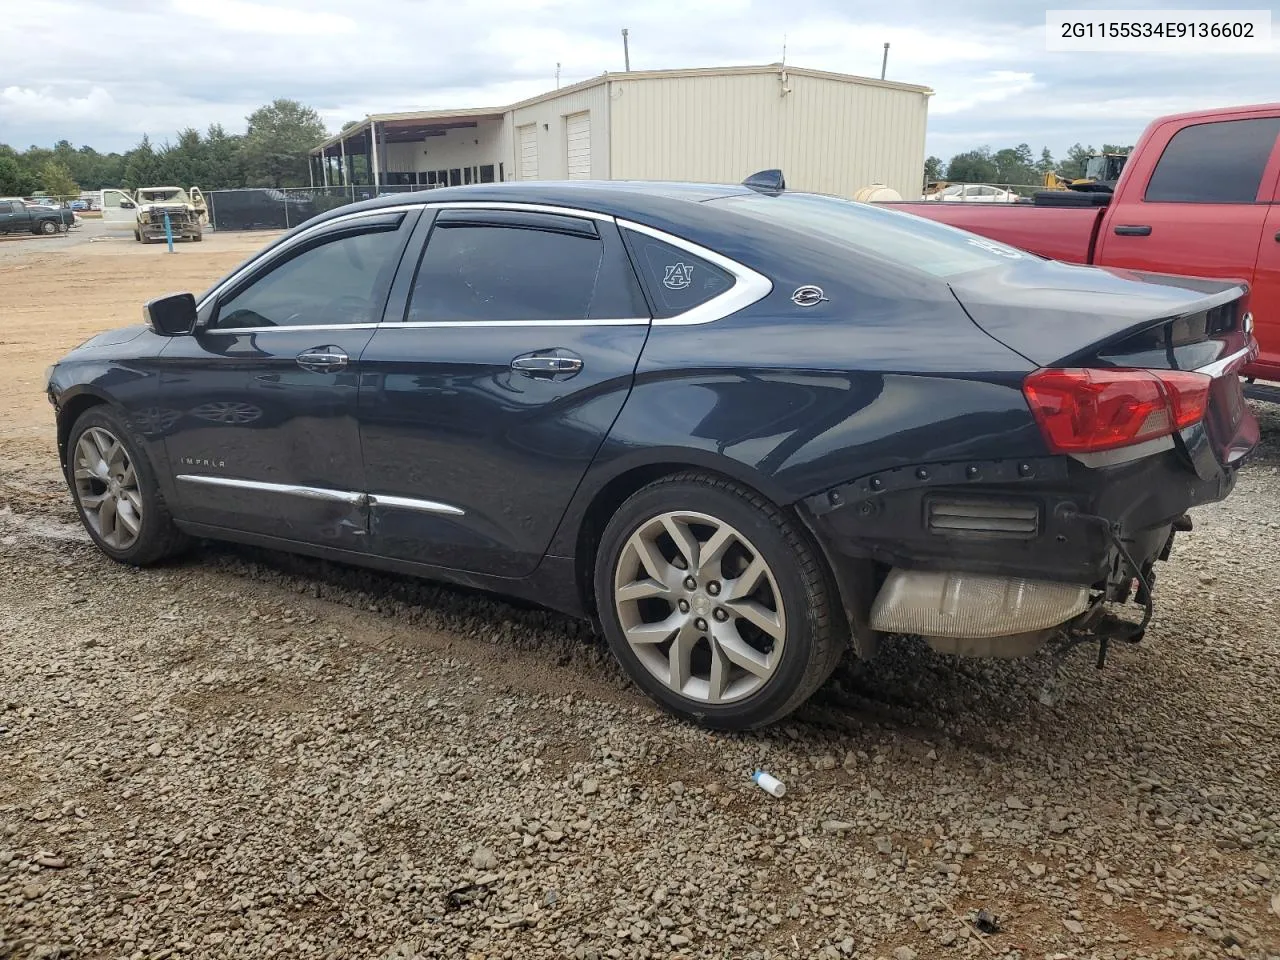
{"x": 619, "y": 198}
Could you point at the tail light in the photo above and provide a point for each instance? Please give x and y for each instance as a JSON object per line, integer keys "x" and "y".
{"x": 1081, "y": 410}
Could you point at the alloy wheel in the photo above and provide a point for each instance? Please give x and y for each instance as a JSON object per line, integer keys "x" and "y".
{"x": 700, "y": 607}
{"x": 106, "y": 487}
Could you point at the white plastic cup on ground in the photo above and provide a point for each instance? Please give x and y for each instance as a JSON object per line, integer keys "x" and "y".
{"x": 770, "y": 785}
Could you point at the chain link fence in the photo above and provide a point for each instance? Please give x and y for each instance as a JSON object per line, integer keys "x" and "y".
{"x": 267, "y": 208}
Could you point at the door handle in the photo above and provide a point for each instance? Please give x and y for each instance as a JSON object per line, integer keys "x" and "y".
{"x": 323, "y": 359}
{"x": 1132, "y": 230}
{"x": 547, "y": 366}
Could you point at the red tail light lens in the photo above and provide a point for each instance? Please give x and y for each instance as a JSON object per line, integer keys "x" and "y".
{"x": 1083, "y": 410}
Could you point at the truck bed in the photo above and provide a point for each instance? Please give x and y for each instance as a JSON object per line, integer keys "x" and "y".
{"x": 1068, "y": 234}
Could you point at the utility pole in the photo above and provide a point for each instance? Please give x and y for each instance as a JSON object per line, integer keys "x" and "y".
{"x": 626, "y": 51}
{"x": 884, "y": 64}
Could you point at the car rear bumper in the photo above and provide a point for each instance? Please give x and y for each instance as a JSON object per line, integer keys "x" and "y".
{"x": 1034, "y": 518}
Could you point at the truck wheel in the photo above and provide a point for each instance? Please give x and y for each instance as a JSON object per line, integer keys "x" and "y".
{"x": 137, "y": 234}
{"x": 48, "y": 227}
{"x": 197, "y": 237}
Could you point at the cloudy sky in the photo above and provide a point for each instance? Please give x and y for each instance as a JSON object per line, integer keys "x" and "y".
{"x": 105, "y": 71}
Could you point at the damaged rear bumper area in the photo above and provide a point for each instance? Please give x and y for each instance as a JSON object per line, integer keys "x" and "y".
{"x": 995, "y": 558}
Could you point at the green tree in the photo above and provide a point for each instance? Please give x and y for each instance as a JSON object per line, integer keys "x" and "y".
{"x": 277, "y": 142}
{"x": 14, "y": 179}
{"x": 1046, "y": 162}
{"x": 932, "y": 169}
{"x": 972, "y": 166}
{"x": 56, "y": 180}
{"x": 1015, "y": 165}
{"x": 141, "y": 166}
{"x": 1073, "y": 165}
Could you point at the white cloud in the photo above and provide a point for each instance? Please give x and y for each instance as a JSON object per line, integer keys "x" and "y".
{"x": 160, "y": 65}
{"x": 981, "y": 91}
{"x": 242, "y": 16}
{"x": 20, "y": 105}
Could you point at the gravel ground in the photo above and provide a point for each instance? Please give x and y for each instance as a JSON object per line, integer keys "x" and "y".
{"x": 251, "y": 755}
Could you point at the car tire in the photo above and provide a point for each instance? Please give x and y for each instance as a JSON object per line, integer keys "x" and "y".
{"x": 754, "y": 559}
{"x": 139, "y": 529}
{"x": 137, "y": 235}
{"x": 48, "y": 227}
{"x": 197, "y": 237}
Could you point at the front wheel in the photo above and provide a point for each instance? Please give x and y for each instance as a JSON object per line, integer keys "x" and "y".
{"x": 48, "y": 227}
{"x": 717, "y": 603}
{"x": 116, "y": 493}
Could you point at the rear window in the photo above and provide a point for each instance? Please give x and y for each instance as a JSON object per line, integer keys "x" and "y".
{"x": 887, "y": 235}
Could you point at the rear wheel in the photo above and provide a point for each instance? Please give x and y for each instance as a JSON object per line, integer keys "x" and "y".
{"x": 116, "y": 493}
{"x": 716, "y": 603}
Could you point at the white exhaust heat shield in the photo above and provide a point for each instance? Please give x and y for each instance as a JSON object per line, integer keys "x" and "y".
{"x": 966, "y": 605}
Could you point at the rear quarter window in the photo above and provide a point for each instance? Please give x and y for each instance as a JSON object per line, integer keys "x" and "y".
{"x": 900, "y": 239}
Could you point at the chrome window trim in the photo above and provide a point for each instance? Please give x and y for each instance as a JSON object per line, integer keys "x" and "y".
{"x": 299, "y": 238}
{"x": 411, "y": 503}
{"x": 260, "y": 486}
{"x": 429, "y": 324}
{"x": 229, "y": 331}
{"x": 1219, "y": 367}
{"x": 519, "y": 207}
{"x": 749, "y": 286}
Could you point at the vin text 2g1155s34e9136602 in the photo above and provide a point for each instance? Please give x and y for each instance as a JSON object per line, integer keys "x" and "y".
{"x": 742, "y": 429}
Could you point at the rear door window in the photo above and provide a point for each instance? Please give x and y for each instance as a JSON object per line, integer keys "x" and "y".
{"x": 677, "y": 281}
{"x": 517, "y": 267}
{"x": 1214, "y": 162}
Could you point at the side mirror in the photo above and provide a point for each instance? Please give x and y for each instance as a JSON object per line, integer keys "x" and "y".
{"x": 171, "y": 316}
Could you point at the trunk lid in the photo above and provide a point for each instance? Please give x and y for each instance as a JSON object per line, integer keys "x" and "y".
{"x": 1059, "y": 315}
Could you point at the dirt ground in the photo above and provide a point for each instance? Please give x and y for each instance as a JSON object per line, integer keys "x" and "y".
{"x": 249, "y": 755}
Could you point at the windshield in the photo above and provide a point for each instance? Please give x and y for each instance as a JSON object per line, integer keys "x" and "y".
{"x": 1095, "y": 168}
{"x": 898, "y": 238}
{"x": 160, "y": 196}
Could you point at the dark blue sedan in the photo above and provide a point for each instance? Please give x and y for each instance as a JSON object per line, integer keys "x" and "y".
{"x": 743, "y": 430}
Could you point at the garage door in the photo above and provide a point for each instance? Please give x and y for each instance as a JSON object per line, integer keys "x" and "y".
{"x": 577, "y": 133}
{"x": 529, "y": 152}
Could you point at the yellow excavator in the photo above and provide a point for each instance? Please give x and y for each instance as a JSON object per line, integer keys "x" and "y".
{"x": 1101, "y": 171}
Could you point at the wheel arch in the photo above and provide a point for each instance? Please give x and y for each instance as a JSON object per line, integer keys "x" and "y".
{"x": 598, "y": 500}
{"x": 72, "y": 407}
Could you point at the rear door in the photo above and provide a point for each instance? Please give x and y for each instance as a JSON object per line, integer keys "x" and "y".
{"x": 1207, "y": 194}
{"x": 261, "y": 401}
{"x": 482, "y": 409}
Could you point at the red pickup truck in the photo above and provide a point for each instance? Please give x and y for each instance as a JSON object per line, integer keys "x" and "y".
{"x": 1199, "y": 196}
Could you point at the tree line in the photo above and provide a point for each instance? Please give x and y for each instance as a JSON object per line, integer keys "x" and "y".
{"x": 271, "y": 152}
{"x": 1013, "y": 165}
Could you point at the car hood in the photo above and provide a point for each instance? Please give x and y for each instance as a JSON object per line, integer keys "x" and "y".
{"x": 110, "y": 338}
{"x": 1050, "y": 312}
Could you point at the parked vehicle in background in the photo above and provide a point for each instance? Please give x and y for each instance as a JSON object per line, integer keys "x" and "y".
{"x": 1199, "y": 196}
{"x": 18, "y": 216}
{"x": 974, "y": 193}
{"x": 145, "y": 210}
{"x": 742, "y": 429}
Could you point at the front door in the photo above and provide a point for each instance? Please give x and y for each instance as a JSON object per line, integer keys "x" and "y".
{"x": 14, "y": 216}
{"x": 118, "y": 208}
{"x": 481, "y": 411}
{"x": 263, "y": 435}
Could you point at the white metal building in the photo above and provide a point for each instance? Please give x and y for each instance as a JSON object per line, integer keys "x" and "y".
{"x": 829, "y": 133}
